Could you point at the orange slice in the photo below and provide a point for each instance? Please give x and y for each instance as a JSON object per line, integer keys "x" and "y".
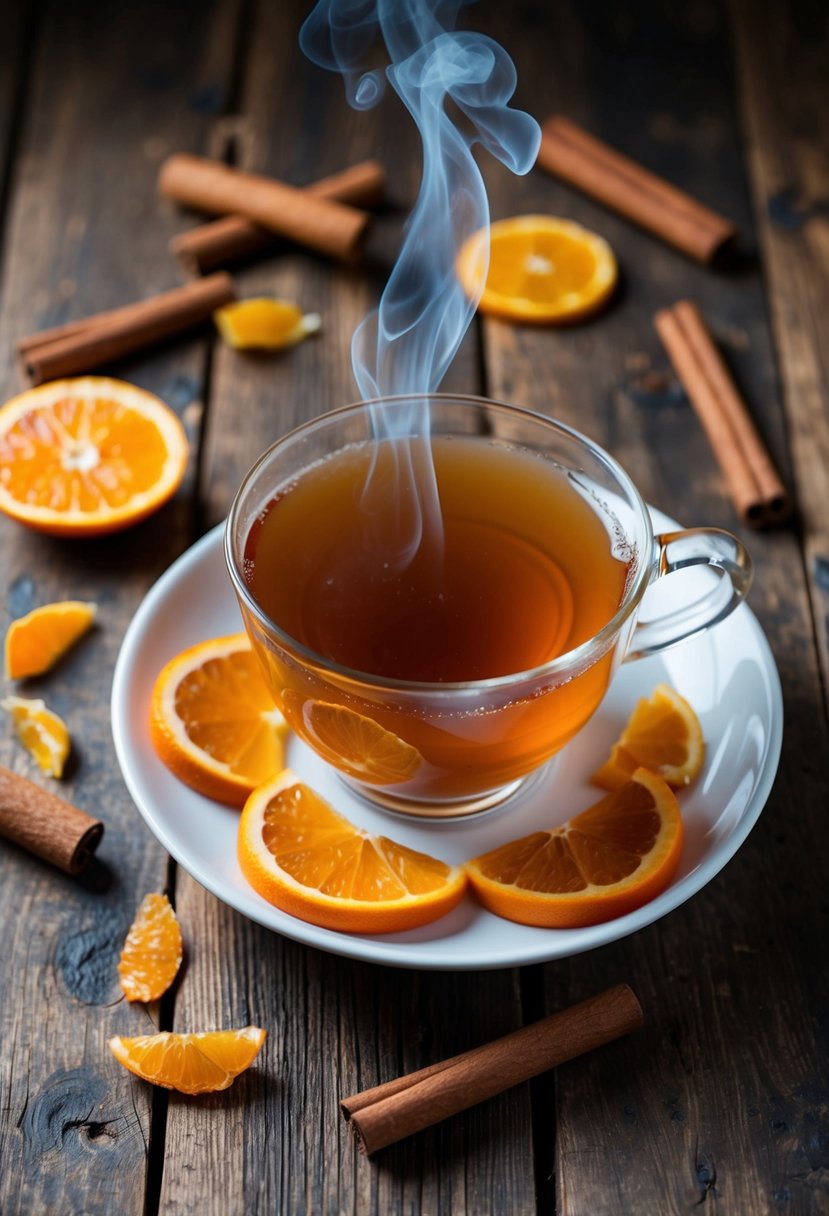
{"x": 357, "y": 745}
{"x": 152, "y": 952}
{"x": 603, "y": 863}
{"x": 302, "y": 856}
{"x": 541, "y": 269}
{"x": 35, "y": 642}
{"x": 191, "y": 1063}
{"x": 662, "y": 734}
{"x": 42, "y": 733}
{"x": 213, "y": 721}
{"x": 90, "y": 455}
{"x": 264, "y": 324}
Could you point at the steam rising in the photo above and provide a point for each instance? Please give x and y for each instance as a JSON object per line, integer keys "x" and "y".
{"x": 407, "y": 344}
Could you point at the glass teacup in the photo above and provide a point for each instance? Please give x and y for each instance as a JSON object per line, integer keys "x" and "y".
{"x": 439, "y": 612}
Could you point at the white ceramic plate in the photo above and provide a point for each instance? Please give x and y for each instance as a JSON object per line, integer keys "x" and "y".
{"x": 728, "y": 675}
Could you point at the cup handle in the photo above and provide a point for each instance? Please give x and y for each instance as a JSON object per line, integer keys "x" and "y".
{"x": 694, "y": 547}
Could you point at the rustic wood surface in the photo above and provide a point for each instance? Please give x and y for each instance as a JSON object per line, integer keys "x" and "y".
{"x": 724, "y": 1100}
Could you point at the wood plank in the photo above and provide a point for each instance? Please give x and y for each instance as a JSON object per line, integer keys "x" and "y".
{"x": 111, "y": 92}
{"x": 15, "y": 51}
{"x": 334, "y": 1026}
{"x": 718, "y": 1100}
{"x": 783, "y": 62}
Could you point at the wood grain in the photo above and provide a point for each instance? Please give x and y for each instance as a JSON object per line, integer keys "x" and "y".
{"x": 703, "y": 1107}
{"x": 723, "y": 1101}
{"x": 85, "y": 232}
{"x": 15, "y": 55}
{"x": 783, "y": 66}
{"x": 334, "y": 1026}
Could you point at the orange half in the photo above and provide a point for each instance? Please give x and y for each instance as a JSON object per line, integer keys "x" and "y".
{"x": 609, "y": 860}
{"x": 88, "y": 455}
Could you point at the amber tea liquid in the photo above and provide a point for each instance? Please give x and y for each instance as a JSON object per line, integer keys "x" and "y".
{"x": 517, "y": 568}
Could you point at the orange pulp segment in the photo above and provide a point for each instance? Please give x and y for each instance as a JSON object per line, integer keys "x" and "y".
{"x": 190, "y": 1063}
{"x": 42, "y": 733}
{"x": 88, "y": 455}
{"x": 541, "y": 269}
{"x": 662, "y": 734}
{"x": 213, "y": 721}
{"x": 35, "y": 642}
{"x": 357, "y": 745}
{"x": 603, "y": 863}
{"x": 152, "y": 952}
{"x": 304, "y": 857}
{"x": 264, "y": 324}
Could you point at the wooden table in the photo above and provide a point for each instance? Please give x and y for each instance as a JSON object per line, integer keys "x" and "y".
{"x": 722, "y": 1101}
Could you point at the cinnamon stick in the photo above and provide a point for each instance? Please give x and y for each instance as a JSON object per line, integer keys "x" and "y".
{"x": 320, "y": 223}
{"x": 227, "y": 240}
{"x": 45, "y": 824}
{"x": 85, "y": 345}
{"x": 753, "y": 482}
{"x": 387, "y": 1113}
{"x": 569, "y": 152}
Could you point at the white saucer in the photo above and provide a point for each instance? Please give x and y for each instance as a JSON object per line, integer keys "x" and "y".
{"x": 728, "y": 675}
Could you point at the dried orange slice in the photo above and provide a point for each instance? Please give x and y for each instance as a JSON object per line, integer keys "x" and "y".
{"x": 541, "y": 269}
{"x": 89, "y": 455}
{"x": 213, "y": 721}
{"x": 264, "y": 324}
{"x": 152, "y": 952}
{"x": 305, "y": 858}
{"x": 357, "y": 745}
{"x": 42, "y": 733}
{"x": 35, "y": 642}
{"x": 663, "y": 734}
{"x": 190, "y": 1063}
{"x": 603, "y": 863}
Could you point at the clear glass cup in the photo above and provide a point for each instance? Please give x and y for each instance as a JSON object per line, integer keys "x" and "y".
{"x": 449, "y": 748}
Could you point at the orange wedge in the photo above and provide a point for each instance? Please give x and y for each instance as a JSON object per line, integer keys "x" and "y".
{"x": 264, "y": 324}
{"x": 35, "y": 642}
{"x": 213, "y": 721}
{"x": 355, "y": 744}
{"x": 89, "y": 455}
{"x": 302, "y": 856}
{"x": 663, "y": 734}
{"x": 603, "y": 863}
{"x": 152, "y": 952}
{"x": 541, "y": 269}
{"x": 42, "y": 733}
{"x": 190, "y": 1063}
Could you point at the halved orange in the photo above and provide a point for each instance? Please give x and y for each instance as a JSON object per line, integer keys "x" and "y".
{"x": 541, "y": 269}
{"x": 88, "y": 455}
{"x": 213, "y": 721}
{"x": 152, "y": 952}
{"x": 662, "y": 734}
{"x": 603, "y": 863}
{"x": 41, "y": 731}
{"x": 264, "y": 323}
{"x": 190, "y": 1063}
{"x": 357, "y": 745}
{"x": 308, "y": 860}
{"x": 36, "y": 641}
